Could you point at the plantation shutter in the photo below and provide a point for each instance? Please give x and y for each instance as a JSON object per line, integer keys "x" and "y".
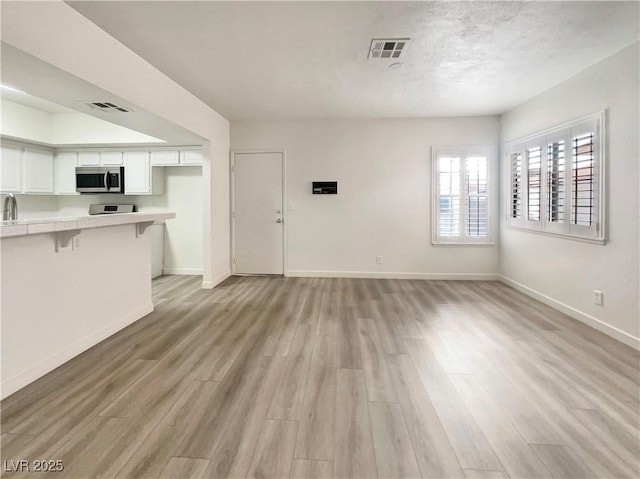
{"x": 449, "y": 197}
{"x": 476, "y": 192}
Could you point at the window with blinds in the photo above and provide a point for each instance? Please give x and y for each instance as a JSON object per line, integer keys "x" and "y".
{"x": 461, "y": 203}
{"x": 534, "y": 156}
{"x": 516, "y": 185}
{"x": 449, "y": 197}
{"x": 555, "y": 181}
{"x": 582, "y": 180}
{"x": 562, "y": 171}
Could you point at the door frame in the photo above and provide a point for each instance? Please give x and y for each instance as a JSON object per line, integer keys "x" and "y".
{"x": 232, "y": 189}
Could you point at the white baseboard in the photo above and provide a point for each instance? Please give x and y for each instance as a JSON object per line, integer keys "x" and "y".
{"x": 11, "y": 385}
{"x": 216, "y": 281}
{"x": 193, "y": 271}
{"x": 385, "y": 275}
{"x": 595, "y": 323}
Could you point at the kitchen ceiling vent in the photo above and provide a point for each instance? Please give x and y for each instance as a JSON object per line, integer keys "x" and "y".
{"x": 108, "y": 106}
{"x": 388, "y": 48}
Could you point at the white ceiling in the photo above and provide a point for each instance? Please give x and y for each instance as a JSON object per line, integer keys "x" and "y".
{"x": 273, "y": 60}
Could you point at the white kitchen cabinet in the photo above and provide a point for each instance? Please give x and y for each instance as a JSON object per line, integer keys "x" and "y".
{"x": 10, "y": 168}
{"x": 165, "y": 158}
{"x": 176, "y": 158}
{"x": 64, "y": 173}
{"x": 191, "y": 158}
{"x": 111, "y": 158}
{"x": 140, "y": 178}
{"x": 38, "y": 171}
{"x": 89, "y": 158}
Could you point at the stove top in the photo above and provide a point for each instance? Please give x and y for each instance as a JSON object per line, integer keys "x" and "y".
{"x": 111, "y": 209}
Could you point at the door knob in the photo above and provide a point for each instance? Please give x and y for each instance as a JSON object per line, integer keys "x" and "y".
{"x": 278, "y": 220}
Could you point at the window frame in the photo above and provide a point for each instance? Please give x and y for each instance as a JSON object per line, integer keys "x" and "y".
{"x": 463, "y": 152}
{"x": 567, "y": 132}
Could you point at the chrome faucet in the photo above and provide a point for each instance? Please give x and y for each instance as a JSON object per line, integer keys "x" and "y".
{"x": 10, "y": 208}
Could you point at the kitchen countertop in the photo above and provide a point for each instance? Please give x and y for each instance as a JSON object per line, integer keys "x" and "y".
{"x": 35, "y": 226}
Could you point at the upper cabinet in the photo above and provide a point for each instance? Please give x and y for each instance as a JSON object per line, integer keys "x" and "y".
{"x": 38, "y": 170}
{"x": 88, "y": 158}
{"x": 10, "y": 168}
{"x": 176, "y": 158}
{"x": 100, "y": 158}
{"x": 140, "y": 178}
{"x": 64, "y": 173}
{"x": 26, "y": 169}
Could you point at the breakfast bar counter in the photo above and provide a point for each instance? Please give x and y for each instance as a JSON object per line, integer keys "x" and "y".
{"x": 66, "y": 284}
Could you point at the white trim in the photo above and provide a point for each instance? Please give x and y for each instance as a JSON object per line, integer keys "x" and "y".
{"x": 19, "y": 381}
{"x": 190, "y": 271}
{"x": 232, "y": 192}
{"x": 595, "y": 323}
{"x": 216, "y": 281}
{"x": 393, "y": 275}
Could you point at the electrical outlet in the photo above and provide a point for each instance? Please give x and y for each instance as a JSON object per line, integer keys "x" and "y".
{"x": 378, "y": 259}
{"x": 597, "y": 297}
{"x": 76, "y": 243}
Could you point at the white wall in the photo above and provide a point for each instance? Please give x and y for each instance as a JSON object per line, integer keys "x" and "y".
{"x": 383, "y": 204}
{"x": 183, "y": 235}
{"x": 50, "y": 30}
{"x": 564, "y": 272}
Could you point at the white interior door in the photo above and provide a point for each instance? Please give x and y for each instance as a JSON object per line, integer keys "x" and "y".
{"x": 258, "y": 218}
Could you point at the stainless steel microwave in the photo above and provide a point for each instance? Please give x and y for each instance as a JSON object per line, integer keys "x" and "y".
{"x": 99, "y": 180}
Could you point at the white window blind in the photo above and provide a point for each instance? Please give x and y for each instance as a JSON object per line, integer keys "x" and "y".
{"x": 563, "y": 171}
{"x": 461, "y": 202}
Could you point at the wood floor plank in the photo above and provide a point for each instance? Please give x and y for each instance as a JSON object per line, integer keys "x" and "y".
{"x": 274, "y": 451}
{"x": 316, "y": 433}
{"x": 512, "y": 450}
{"x": 434, "y": 453}
{"x": 562, "y": 462}
{"x": 185, "y": 468}
{"x": 311, "y": 469}
{"x": 374, "y": 363}
{"x": 288, "y": 398}
{"x": 354, "y": 456}
{"x": 622, "y": 446}
{"x": 151, "y": 456}
{"x": 469, "y": 443}
{"x": 232, "y": 454}
{"x": 393, "y": 450}
{"x": 481, "y": 474}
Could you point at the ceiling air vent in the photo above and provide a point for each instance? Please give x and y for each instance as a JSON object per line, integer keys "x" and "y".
{"x": 108, "y": 106}
{"x": 388, "y": 47}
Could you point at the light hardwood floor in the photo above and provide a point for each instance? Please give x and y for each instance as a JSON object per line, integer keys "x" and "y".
{"x": 309, "y": 377}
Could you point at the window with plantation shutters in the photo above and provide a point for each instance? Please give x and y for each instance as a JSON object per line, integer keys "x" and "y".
{"x": 515, "y": 198}
{"x": 461, "y": 202}
{"x": 555, "y": 181}
{"x": 562, "y": 172}
{"x": 534, "y": 156}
